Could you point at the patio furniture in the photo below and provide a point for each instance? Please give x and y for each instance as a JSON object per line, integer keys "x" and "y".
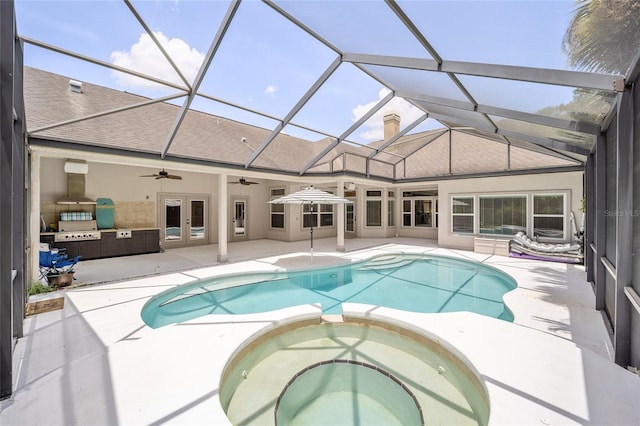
{"x": 523, "y": 246}
{"x": 312, "y": 197}
{"x": 54, "y": 263}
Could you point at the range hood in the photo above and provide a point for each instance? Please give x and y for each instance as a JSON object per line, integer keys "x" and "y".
{"x": 76, "y": 172}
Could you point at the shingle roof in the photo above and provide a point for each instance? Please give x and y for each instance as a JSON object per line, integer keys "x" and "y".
{"x": 202, "y": 136}
{"x": 48, "y": 101}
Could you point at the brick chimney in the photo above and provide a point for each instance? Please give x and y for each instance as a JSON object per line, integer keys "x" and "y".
{"x": 391, "y": 125}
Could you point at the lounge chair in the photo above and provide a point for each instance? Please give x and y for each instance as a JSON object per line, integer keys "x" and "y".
{"x": 523, "y": 246}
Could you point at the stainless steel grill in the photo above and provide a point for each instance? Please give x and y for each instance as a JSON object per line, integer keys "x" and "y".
{"x": 77, "y": 236}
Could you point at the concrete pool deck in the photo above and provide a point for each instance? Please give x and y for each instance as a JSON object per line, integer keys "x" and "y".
{"x": 95, "y": 362}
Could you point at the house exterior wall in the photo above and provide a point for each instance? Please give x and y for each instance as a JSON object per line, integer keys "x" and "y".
{"x": 552, "y": 182}
{"x": 294, "y": 230}
{"x": 257, "y": 207}
{"x": 135, "y": 200}
{"x": 386, "y": 231}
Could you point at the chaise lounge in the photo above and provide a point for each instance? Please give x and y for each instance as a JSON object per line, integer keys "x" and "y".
{"x": 523, "y": 246}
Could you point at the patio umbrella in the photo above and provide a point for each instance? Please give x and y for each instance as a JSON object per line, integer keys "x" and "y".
{"x": 312, "y": 197}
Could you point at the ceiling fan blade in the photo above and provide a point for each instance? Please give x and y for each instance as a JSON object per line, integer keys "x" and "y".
{"x": 163, "y": 174}
{"x": 243, "y": 181}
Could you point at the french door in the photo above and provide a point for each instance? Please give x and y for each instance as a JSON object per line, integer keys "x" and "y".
{"x": 350, "y": 219}
{"x": 183, "y": 220}
{"x": 239, "y": 219}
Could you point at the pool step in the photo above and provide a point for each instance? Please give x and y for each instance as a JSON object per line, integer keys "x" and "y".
{"x": 387, "y": 262}
{"x": 331, "y": 319}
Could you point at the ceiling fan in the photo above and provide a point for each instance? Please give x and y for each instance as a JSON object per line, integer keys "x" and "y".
{"x": 243, "y": 181}
{"x": 162, "y": 174}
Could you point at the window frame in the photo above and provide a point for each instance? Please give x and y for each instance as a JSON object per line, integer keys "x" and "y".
{"x": 525, "y": 196}
{"x": 563, "y": 215}
{"x": 530, "y": 207}
{"x": 320, "y": 213}
{"x": 273, "y": 196}
{"x": 391, "y": 209}
{"x": 433, "y": 199}
{"x": 472, "y": 214}
{"x": 376, "y": 197}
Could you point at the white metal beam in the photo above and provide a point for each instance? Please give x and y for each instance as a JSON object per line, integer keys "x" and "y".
{"x": 556, "y": 77}
{"x": 298, "y": 106}
{"x": 95, "y": 61}
{"x": 157, "y": 43}
{"x": 215, "y": 44}
{"x": 350, "y": 130}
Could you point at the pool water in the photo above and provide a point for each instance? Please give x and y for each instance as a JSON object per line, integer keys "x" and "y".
{"x": 417, "y": 283}
{"x": 340, "y": 391}
{"x": 287, "y": 375}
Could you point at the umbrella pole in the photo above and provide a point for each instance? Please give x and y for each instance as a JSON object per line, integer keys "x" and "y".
{"x": 312, "y": 219}
{"x": 312, "y": 242}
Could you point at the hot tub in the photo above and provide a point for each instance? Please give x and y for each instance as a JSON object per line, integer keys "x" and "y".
{"x": 292, "y": 375}
{"x": 339, "y": 390}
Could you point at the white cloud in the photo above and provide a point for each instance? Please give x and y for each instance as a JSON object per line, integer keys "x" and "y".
{"x": 374, "y": 127}
{"x": 144, "y": 56}
{"x": 271, "y": 90}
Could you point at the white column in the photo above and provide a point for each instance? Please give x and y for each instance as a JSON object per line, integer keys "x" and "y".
{"x": 34, "y": 218}
{"x": 223, "y": 217}
{"x": 340, "y": 219}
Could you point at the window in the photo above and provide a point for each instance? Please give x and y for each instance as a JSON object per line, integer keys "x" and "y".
{"x": 309, "y": 216}
{"x": 462, "y": 214}
{"x": 374, "y": 213}
{"x": 420, "y": 212}
{"x": 277, "y": 210}
{"x": 406, "y": 212}
{"x": 391, "y": 209}
{"x": 503, "y": 215}
{"x": 423, "y": 214}
{"x": 545, "y": 216}
{"x": 317, "y": 215}
{"x": 326, "y": 215}
{"x": 373, "y": 208}
{"x": 277, "y": 216}
{"x": 548, "y": 215}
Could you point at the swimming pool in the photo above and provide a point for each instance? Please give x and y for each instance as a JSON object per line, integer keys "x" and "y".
{"x": 418, "y": 283}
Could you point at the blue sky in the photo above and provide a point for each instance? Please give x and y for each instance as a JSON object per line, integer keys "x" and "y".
{"x": 266, "y": 63}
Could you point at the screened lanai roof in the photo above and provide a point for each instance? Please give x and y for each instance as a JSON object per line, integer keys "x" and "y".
{"x": 306, "y": 83}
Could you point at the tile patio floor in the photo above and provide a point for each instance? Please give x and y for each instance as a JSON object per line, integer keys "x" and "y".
{"x": 96, "y": 363}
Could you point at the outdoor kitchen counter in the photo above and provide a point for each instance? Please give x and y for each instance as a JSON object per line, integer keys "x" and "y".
{"x": 132, "y": 229}
{"x": 110, "y": 243}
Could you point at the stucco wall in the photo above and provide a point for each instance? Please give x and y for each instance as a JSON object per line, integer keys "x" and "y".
{"x": 257, "y": 209}
{"x": 571, "y": 182}
{"x": 136, "y": 198}
{"x": 293, "y": 219}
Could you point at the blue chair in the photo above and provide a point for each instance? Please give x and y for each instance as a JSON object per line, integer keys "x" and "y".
{"x": 55, "y": 261}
